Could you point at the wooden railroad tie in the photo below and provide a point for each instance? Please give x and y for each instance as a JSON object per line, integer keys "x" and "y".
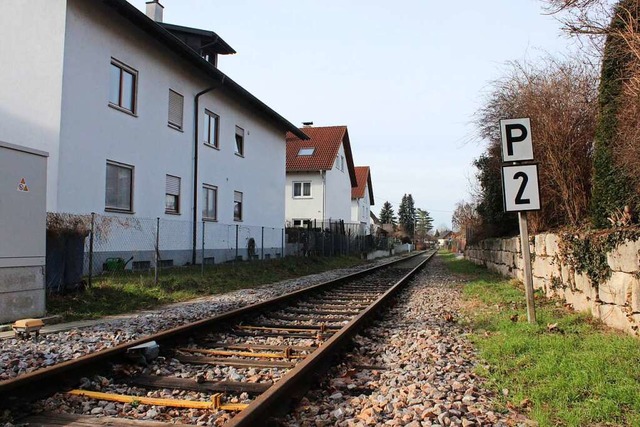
{"x": 215, "y": 403}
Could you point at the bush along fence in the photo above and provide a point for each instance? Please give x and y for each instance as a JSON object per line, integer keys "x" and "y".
{"x": 84, "y": 248}
{"x": 594, "y": 271}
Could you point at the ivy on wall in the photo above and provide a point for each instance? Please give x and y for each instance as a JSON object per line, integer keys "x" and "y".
{"x": 586, "y": 252}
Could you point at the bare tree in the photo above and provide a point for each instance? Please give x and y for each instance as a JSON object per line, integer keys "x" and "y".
{"x": 560, "y": 97}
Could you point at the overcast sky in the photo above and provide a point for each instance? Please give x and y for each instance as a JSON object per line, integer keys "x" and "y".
{"x": 404, "y": 76}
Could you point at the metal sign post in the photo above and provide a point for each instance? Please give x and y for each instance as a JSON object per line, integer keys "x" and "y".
{"x": 520, "y": 190}
{"x": 526, "y": 258}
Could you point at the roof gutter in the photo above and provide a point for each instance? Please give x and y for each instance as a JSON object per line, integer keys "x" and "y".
{"x": 196, "y": 144}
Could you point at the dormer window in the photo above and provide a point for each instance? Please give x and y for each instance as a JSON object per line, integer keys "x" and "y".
{"x": 306, "y": 151}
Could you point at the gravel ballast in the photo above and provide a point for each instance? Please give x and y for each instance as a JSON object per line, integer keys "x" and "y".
{"x": 18, "y": 356}
{"x": 414, "y": 368}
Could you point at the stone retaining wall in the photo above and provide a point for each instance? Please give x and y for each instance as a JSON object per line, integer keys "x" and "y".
{"x": 615, "y": 301}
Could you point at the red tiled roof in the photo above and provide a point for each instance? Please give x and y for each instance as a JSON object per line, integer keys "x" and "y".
{"x": 363, "y": 177}
{"x": 326, "y": 142}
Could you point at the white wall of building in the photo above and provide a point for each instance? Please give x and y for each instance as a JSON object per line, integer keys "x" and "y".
{"x": 92, "y": 132}
{"x": 33, "y": 36}
{"x": 360, "y": 209}
{"x": 305, "y": 207}
{"x": 338, "y": 198}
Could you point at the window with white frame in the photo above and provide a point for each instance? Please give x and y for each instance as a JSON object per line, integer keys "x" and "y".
{"x": 340, "y": 162}
{"x": 211, "y": 128}
{"x": 209, "y": 202}
{"x": 176, "y": 109}
{"x": 237, "y": 206}
{"x": 122, "y": 87}
{"x": 239, "y": 141}
{"x": 301, "y": 190}
{"x": 119, "y": 187}
{"x": 172, "y": 195}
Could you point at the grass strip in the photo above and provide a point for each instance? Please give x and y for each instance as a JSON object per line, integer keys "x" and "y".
{"x": 566, "y": 370}
{"x": 125, "y": 292}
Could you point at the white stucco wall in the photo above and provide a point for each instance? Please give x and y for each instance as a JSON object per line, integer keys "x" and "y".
{"x": 33, "y": 35}
{"x": 92, "y": 132}
{"x": 306, "y": 207}
{"x": 338, "y": 199}
{"x": 360, "y": 209}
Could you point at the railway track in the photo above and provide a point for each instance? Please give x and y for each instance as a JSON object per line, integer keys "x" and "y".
{"x": 240, "y": 368}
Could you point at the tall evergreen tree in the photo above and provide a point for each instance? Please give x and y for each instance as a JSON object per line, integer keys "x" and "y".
{"x": 407, "y": 214}
{"x": 387, "y": 215}
{"x": 424, "y": 222}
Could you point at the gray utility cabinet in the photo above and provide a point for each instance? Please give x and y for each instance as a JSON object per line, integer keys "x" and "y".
{"x": 23, "y": 217}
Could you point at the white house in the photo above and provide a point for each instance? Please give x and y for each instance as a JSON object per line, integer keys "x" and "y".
{"x": 362, "y": 198}
{"x": 320, "y": 177}
{"x": 139, "y": 122}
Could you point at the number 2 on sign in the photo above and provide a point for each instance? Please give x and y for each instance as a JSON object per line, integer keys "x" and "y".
{"x": 523, "y": 185}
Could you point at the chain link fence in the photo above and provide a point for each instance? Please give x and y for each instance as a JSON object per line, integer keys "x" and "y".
{"x": 84, "y": 248}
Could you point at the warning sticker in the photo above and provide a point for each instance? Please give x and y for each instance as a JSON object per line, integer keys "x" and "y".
{"x": 22, "y": 186}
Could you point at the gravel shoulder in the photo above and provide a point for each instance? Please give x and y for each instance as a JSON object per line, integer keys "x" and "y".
{"x": 414, "y": 368}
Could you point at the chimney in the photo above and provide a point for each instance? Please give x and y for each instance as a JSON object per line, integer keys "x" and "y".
{"x": 307, "y": 124}
{"x": 154, "y": 10}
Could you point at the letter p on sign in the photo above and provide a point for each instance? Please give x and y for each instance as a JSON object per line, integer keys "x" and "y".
{"x": 516, "y": 140}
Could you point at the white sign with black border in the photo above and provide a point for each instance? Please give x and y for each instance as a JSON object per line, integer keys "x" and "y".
{"x": 521, "y": 189}
{"x": 517, "y": 145}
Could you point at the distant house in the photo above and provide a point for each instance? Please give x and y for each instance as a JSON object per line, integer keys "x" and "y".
{"x": 362, "y": 198}
{"x": 320, "y": 177}
{"x": 445, "y": 237}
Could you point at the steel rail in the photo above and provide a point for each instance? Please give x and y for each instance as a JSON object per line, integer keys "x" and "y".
{"x": 34, "y": 385}
{"x": 279, "y": 395}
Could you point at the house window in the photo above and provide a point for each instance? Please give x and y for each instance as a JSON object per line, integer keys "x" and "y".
{"x": 210, "y": 202}
{"x": 340, "y": 162}
{"x": 176, "y": 109}
{"x": 301, "y": 189}
{"x": 237, "y": 206}
{"x": 119, "y": 187}
{"x": 306, "y": 223}
{"x": 211, "y": 128}
{"x": 172, "y": 196}
{"x": 122, "y": 87}
{"x": 308, "y": 151}
{"x": 239, "y": 141}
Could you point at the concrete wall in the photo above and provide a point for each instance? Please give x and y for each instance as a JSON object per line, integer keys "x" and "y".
{"x": 616, "y": 301}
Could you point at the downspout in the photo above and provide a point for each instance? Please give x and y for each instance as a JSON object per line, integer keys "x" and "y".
{"x": 196, "y": 144}
{"x": 323, "y": 174}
